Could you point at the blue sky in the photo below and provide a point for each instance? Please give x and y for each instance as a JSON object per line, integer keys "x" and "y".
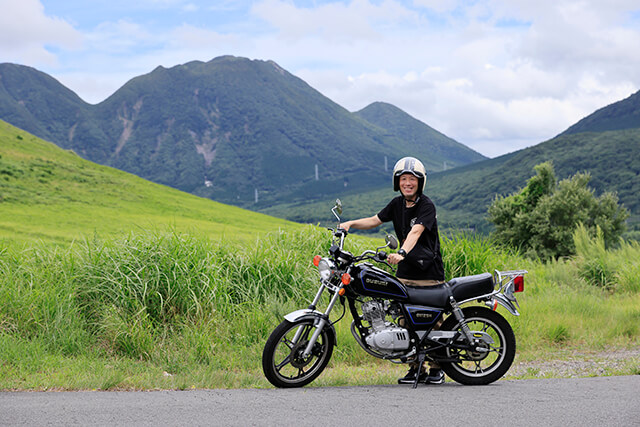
{"x": 496, "y": 75}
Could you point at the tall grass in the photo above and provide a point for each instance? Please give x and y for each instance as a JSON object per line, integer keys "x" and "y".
{"x": 466, "y": 254}
{"x": 617, "y": 269}
{"x": 169, "y": 309}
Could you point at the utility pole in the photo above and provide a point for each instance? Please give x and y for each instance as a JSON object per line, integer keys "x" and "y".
{"x": 317, "y": 177}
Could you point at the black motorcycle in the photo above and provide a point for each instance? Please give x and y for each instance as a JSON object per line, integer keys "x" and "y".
{"x": 474, "y": 344}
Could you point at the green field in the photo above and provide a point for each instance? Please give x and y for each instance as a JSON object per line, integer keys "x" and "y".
{"x": 110, "y": 282}
{"x": 53, "y": 195}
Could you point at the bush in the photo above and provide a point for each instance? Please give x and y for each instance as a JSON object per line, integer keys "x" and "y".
{"x": 542, "y": 217}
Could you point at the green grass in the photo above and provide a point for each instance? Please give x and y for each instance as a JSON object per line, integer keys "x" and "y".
{"x": 53, "y": 195}
{"x": 174, "y": 310}
{"x": 116, "y": 283}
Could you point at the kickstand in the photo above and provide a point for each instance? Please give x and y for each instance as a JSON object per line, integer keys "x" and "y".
{"x": 421, "y": 357}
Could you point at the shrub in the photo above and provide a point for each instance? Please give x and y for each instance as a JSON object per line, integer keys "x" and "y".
{"x": 541, "y": 218}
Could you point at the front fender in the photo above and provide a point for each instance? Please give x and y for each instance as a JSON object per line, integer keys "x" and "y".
{"x": 299, "y": 314}
{"x": 306, "y": 313}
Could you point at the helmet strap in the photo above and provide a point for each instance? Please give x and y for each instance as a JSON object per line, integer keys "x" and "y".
{"x": 415, "y": 202}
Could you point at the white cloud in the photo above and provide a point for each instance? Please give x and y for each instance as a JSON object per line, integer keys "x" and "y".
{"x": 332, "y": 22}
{"x": 190, "y": 7}
{"x": 493, "y": 74}
{"x": 26, "y": 32}
{"x": 504, "y": 73}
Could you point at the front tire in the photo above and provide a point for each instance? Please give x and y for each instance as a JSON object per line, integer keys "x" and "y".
{"x": 282, "y": 360}
{"x": 490, "y": 364}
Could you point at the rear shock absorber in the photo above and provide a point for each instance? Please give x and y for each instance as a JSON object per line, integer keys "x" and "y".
{"x": 457, "y": 312}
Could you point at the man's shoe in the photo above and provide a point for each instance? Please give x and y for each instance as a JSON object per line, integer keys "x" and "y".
{"x": 410, "y": 378}
{"x": 436, "y": 376}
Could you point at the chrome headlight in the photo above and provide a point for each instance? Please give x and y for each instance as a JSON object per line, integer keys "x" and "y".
{"x": 326, "y": 268}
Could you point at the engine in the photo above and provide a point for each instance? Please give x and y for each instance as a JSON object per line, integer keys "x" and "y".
{"x": 385, "y": 337}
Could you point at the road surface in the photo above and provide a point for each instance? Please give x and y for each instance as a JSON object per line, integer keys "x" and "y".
{"x": 601, "y": 401}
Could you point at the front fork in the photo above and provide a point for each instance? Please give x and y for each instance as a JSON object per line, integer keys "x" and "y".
{"x": 321, "y": 322}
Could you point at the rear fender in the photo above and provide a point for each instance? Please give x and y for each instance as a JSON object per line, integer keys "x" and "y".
{"x": 503, "y": 301}
{"x": 497, "y": 296}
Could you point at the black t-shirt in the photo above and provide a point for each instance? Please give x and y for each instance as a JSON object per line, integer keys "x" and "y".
{"x": 424, "y": 261}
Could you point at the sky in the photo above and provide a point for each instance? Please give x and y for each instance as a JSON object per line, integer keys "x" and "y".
{"x": 495, "y": 75}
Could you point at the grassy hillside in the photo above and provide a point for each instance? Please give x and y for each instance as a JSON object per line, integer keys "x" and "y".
{"x": 54, "y": 195}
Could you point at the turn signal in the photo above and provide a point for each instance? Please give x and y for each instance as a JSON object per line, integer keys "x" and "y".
{"x": 518, "y": 284}
{"x": 346, "y": 279}
{"x": 342, "y": 291}
{"x": 316, "y": 260}
{"x": 492, "y": 304}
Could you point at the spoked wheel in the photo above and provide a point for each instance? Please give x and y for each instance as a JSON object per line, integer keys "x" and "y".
{"x": 283, "y": 362}
{"x": 484, "y": 362}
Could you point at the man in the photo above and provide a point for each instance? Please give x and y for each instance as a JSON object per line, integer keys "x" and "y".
{"x": 419, "y": 259}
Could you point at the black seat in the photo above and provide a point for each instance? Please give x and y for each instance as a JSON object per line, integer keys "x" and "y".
{"x": 471, "y": 286}
{"x": 433, "y": 296}
{"x": 461, "y": 288}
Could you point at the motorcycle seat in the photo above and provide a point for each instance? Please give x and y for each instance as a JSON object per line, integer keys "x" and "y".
{"x": 461, "y": 288}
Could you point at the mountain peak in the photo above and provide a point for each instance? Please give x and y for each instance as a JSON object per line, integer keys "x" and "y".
{"x": 231, "y": 127}
{"x": 410, "y": 130}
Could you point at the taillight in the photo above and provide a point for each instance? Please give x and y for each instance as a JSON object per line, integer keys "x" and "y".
{"x": 518, "y": 284}
{"x": 316, "y": 260}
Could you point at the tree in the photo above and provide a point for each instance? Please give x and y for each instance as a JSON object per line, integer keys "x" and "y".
{"x": 541, "y": 218}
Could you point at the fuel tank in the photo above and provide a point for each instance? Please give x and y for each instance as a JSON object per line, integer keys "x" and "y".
{"x": 372, "y": 281}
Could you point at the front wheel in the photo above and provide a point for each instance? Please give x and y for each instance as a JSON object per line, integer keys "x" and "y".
{"x": 283, "y": 362}
{"x": 485, "y": 362}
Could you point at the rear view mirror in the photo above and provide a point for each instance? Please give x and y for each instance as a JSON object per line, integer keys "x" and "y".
{"x": 337, "y": 210}
{"x": 392, "y": 242}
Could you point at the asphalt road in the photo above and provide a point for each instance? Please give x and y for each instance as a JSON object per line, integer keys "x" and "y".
{"x": 601, "y": 401}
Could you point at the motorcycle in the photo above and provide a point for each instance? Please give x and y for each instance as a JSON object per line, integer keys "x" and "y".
{"x": 474, "y": 344}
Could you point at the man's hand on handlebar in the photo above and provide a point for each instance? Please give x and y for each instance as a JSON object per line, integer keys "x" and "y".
{"x": 394, "y": 259}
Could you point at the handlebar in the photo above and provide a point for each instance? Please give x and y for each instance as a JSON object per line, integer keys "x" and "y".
{"x": 377, "y": 256}
{"x": 380, "y": 257}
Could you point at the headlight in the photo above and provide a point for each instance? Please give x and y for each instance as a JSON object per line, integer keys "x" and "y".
{"x": 326, "y": 268}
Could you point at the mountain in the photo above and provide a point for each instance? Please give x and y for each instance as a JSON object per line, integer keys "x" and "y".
{"x": 39, "y": 104}
{"x": 606, "y": 144}
{"x": 620, "y": 115}
{"x": 48, "y": 194}
{"x": 401, "y": 125}
{"x": 231, "y": 129}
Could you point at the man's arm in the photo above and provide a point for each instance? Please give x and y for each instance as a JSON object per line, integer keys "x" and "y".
{"x": 409, "y": 243}
{"x": 362, "y": 223}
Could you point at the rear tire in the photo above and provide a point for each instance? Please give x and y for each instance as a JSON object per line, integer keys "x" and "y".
{"x": 282, "y": 360}
{"x": 480, "y": 367}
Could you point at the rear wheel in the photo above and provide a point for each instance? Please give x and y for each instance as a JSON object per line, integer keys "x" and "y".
{"x": 482, "y": 363}
{"x": 283, "y": 362}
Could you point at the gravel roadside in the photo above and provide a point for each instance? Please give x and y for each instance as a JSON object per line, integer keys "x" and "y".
{"x": 572, "y": 364}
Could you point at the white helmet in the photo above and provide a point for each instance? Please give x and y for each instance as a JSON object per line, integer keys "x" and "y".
{"x": 414, "y": 167}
